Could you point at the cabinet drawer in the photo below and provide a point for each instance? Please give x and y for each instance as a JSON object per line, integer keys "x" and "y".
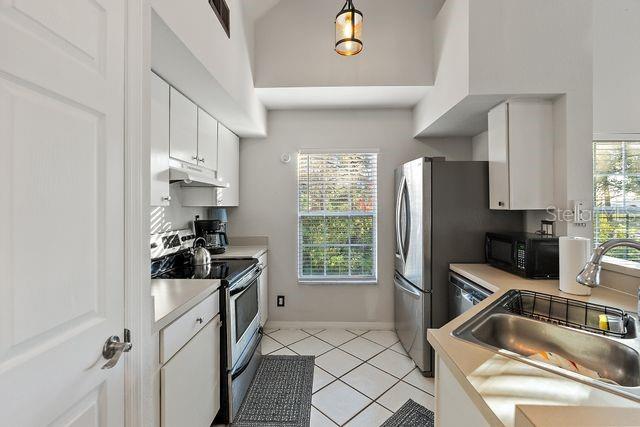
{"x": 177, "y": 334}
{"x": 190, "y": 382}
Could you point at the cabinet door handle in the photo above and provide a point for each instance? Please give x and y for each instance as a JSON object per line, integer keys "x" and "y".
{"x": 166, "y": 198}
{"x": 199, "y": 320}
{"x": 195, "y": 158}
{"x": 202, "y": 159}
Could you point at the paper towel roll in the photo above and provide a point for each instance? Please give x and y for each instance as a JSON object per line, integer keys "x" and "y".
{"x": 574, "y": 253}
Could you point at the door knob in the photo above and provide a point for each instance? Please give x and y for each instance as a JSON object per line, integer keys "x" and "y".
{"x": 113, "y": 349}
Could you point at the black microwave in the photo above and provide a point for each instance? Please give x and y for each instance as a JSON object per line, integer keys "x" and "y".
{"x": 528, "y": 255}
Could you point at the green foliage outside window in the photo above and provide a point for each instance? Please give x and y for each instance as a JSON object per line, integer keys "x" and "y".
{"x": 337, "y": 200}
{"x": 616, "y": 182}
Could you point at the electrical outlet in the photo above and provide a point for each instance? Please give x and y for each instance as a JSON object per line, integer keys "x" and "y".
{"x": 580, "y": 212}
{"x": 280, "y": 301}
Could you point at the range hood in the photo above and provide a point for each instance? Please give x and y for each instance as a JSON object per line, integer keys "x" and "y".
{"x": 192, "y": 174}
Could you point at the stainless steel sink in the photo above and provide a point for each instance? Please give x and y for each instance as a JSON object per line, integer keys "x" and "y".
{"x": 616, "y": 359}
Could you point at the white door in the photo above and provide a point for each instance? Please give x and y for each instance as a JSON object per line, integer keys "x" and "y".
{"x": 61, "y": 209}
{"x": 184, "y": 128}
{"x": 207, "y": 140}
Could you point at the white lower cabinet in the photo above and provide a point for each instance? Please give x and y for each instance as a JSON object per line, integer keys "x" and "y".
{"x": 453, "y": 406}
{"x": 190, "y": 381}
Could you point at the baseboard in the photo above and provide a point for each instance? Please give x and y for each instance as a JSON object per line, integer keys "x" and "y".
{"x": 277, "y": 324}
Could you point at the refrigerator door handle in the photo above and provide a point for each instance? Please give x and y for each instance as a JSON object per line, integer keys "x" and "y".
{"x": 407, "y": 288}
{"x": 399, "y": 248}
{"x": 407, "y": 226}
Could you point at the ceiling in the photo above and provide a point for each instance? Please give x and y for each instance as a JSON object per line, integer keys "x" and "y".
{"x": 344, "y": 97}
{"x": 364, "y": 97}
{"x": 255, "y": 9}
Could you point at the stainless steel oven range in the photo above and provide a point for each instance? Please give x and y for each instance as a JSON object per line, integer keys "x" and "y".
{"x": 241, "y": 339}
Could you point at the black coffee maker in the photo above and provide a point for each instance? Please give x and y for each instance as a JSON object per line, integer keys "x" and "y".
{"x": 214, "y": 231}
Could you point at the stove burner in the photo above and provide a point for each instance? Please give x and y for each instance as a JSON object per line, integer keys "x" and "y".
{"x": 228, "y": 270}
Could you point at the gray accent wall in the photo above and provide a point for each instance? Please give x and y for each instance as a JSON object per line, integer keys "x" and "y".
{"x": 268, "y": 197}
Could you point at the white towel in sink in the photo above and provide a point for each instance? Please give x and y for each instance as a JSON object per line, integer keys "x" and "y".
{"x": 569, "y": 365}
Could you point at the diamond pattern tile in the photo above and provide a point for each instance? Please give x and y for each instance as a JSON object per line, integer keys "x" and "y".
{"x": 339, "y": 402}
{"x": 416, "y": 379}
{"x": 393, "y": 363}
{"x": 321, "y": 378}
{"x": 397, "y": 347}
{"x": 336, "y": 336}
{"x": 370, "y": 381}
{"x": 337, "y": 362}
{"x": 360, "y": 378}
{"x": 374, "y": 415}
{"x": 401, "y": 392}
{"x": 284, "y": 352}
{"x": 269, "y": 345}
{"x": 361, "y": 348}
{"x": 384, "y": 338}
{"x": 318, "y": 419}
{"x": 288, "y": 336}
{"x": 311, "y": 346}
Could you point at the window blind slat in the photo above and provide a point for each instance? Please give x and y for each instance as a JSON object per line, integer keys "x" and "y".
{"x": 616, "y": 196}
{"x": 337, "y": 203}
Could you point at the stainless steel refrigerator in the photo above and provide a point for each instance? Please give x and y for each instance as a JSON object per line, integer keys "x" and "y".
{"x": 442, "y": 215}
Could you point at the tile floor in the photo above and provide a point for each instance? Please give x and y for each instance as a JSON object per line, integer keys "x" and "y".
{"x": 361, "y": 377}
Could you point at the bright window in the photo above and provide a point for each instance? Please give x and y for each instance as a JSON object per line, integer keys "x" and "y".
{"x": 616, "y": 183}
{"x": 337, "y": 217}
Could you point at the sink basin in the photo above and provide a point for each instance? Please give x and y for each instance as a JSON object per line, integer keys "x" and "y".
{"x": 615, "y": 359}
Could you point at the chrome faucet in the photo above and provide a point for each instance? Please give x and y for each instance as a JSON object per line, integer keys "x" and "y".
{"x": 590, "y": 273}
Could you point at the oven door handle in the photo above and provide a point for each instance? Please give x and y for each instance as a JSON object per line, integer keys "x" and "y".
{"x": 246, "y": 360}
{"x": 241, "y": 289}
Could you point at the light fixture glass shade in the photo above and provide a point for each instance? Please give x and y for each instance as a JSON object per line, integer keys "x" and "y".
{"x": 349, "y": 30}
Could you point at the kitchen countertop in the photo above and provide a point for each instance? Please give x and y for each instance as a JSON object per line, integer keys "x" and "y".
{"x": 172, "y": 298}
{"x": 488, "y": 378}
{"x": 237, "y": 251}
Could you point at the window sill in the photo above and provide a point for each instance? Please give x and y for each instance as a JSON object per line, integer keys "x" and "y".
{"x": 337, "y": 282}
{"x": 630, "y": 268}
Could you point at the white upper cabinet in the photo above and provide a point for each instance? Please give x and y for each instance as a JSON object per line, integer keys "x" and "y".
{"x": 228, "y": 167}
{"x": 207, "y": 140}
{"x": 521, "y": 155}
{"x": 183, "y": 128}
{"x": 159, "y": 142}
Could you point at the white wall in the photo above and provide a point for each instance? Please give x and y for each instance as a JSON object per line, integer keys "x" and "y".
{"x": 175, "y": 216}
{"x": 450, "y": 62}
{"x": 191, "y": 50}
{"x": 480, "y": 146}
{"x": 295, "y": 45}
{"x": 268, "y": 203}
{"x": 616, "y": 66}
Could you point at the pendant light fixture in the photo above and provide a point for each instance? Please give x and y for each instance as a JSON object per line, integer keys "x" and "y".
{"x": 349, "y": 30}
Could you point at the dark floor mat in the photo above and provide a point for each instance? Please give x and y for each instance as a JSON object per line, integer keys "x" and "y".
{"x": 280, "y": 394}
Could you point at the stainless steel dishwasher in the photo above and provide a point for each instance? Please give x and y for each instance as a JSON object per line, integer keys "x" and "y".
{"x": 464, "y": 294}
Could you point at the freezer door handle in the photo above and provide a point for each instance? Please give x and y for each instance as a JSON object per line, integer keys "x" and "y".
{"x": 400, "y": 283}
{"x": 399, "y": 251}
{"x": 402, "y": 236}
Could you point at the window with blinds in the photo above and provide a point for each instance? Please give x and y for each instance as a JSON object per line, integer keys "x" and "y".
{"x": 337, "y": 219}
{"x": 616, "y": 184}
